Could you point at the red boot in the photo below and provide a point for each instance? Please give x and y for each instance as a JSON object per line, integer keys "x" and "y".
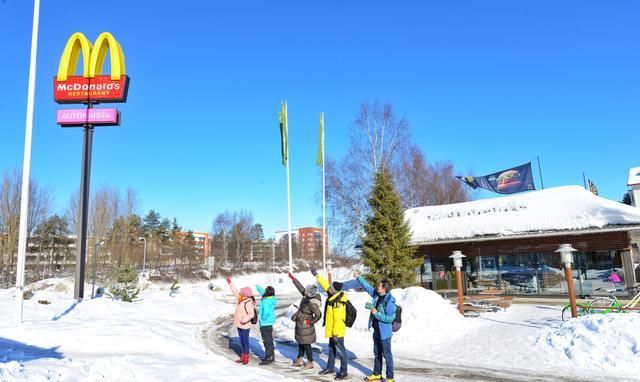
{"x": 246, "y": 359}
{"x": 241, "y": 359}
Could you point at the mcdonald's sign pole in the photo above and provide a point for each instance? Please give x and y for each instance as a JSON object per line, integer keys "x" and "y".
{"x": 90, "y": 89}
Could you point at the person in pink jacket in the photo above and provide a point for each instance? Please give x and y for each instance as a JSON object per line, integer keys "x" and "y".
{"x": 244, "y": 314}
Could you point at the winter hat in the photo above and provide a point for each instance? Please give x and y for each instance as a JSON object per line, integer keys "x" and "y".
{"x": 269, "y": 292}
{"x": 311, "y": 290}
{"x": 335, "y": 287}
{"x": 246, "y": 292}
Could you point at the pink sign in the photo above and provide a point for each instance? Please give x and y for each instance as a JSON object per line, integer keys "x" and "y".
{"x": 75, "y": 117}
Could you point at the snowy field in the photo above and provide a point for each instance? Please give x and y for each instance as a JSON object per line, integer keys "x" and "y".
{"x": 162, "y": 338}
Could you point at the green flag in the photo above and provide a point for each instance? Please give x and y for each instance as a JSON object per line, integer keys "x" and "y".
{"x": 320, "y": 159}
{"x": 284, "y": 134}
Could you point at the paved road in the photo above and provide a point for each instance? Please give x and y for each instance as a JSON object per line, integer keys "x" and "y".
{"x": 221, "y": 338}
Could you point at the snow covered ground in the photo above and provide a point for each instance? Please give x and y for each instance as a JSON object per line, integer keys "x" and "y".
{"x": 162, "y": 338}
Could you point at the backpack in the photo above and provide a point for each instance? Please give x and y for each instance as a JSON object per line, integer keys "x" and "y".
{"x": 397, "y": 322}
{"x": 351, "y": 315}
{"x": 254, "y": 319}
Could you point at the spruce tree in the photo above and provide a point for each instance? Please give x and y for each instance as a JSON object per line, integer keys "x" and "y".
{"x": 386, "y": 248}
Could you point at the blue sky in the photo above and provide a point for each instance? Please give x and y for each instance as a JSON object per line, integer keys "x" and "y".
{"x": 487, "y": 85}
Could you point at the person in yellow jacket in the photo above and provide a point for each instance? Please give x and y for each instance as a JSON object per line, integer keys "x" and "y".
{"x": 335, "y": 316}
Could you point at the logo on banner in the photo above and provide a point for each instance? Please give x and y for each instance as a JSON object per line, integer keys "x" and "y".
{"x": 92, "y": 86}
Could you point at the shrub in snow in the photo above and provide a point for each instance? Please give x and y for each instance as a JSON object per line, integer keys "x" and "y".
{"x": 173, "y": 289}
{"x": 125, "y": 285}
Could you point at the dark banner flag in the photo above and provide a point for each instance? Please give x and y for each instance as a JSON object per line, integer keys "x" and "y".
{"x": 516, "y": 179}
{"x": 592, "y": 187}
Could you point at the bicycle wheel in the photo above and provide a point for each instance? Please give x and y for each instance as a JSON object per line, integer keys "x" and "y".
{"x": 601, "y": 305}
{"x": 582, "y": 310}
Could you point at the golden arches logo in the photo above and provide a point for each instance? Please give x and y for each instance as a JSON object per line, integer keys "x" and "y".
{"x": 91, "y": 86}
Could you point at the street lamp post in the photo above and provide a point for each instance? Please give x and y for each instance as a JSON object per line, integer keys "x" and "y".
{"x": 457, "y": 257}
{"x": 144, "y": 255}
{"x": 95, "y": 253}
{"x": 566, "y": 255}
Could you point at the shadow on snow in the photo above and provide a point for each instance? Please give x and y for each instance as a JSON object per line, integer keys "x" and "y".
{"x": 11, "y": 350}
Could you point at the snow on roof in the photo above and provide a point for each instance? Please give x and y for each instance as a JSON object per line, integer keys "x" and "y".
{"x": 550, "y": 210}
{"x": 634, "y": 176}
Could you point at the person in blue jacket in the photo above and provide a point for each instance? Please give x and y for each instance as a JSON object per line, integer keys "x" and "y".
{"x": 267, "y": 317}
{"x": 383, "y": 312}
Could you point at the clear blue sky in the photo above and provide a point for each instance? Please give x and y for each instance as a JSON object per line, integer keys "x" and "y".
{"x": 487, "y": 85}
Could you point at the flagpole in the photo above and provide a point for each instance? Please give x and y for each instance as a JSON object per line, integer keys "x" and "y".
{"x": 540, "y": 171}
{"x": 288, "y": 189}
{"x": 584, "y": 180}
{"x": 26, "y": 166}
{"x": 324, "y": 205}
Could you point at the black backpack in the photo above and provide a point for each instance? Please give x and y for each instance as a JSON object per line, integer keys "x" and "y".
{"x": 351, "y": 315}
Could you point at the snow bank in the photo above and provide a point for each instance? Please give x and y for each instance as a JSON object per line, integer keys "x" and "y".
{"x": 427, "y": 319}
{"x": 553, "y": 209}
{"x": 598, "y": 342}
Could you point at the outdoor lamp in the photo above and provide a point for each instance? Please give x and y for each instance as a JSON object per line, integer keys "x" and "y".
{"x": 565, "y": 251}
{"x": 457, "y": 259}
{"x": 457, "y": 263}
{"x": 144, "y": 256}
{"x": 566, "y": 254}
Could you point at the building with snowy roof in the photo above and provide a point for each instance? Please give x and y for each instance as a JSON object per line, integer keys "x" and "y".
{"x": 510, "y": 242}
{"x": 634, "y": 183}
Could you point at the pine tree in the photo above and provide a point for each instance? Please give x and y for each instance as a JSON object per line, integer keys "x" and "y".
{"x": 386, "y": 248}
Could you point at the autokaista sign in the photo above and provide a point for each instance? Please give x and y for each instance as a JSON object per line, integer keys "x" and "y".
{"x": 81, "y": 117}
{"x": 91, "y": 86}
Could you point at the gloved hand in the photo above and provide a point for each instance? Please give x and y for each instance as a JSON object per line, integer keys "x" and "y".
{"x": 292, "y": 277}
{"x": 229, "y": 280}
{"x": 314, "y": 272}
{"x": 307, "y": 322}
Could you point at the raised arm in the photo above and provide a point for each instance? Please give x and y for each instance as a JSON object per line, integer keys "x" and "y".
{"x": 299, "y": 286}
{"x": 260, "y": 289}
{"x": 321, "y": 280}
{"x": 236, "y": 294}
{"x": 365, "y": 285}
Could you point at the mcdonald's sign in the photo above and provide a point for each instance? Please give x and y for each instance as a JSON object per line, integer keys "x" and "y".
{"x": 91, "y": 86}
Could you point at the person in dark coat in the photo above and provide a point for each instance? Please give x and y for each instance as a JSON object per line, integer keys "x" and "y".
{"x": 305, "y": 318}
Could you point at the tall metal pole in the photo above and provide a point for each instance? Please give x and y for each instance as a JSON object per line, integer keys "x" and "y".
{"x": 26, "y": 166}
{"x": 540, "y": 171}
{"x": 324, "y": 205}
{"x": 84, "y": 208}
{"x": 273, "y": 261}
{"x": 224, "y": 247}
{"x": 144, "y": 255}
{"x": 288, "y": 191}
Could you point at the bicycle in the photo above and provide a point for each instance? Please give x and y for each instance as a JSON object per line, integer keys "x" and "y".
{"x": 604, "y": 305}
